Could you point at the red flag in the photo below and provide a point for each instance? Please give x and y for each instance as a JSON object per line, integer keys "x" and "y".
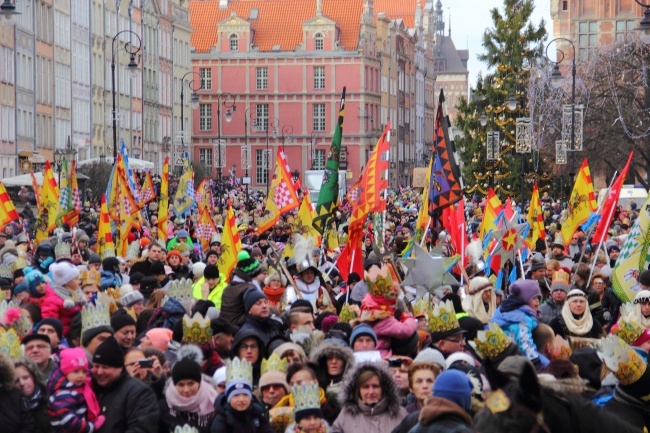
{"x": 610, "y": 204}
{"x": 507, "y": 209}
{"x": 350, "y": 259}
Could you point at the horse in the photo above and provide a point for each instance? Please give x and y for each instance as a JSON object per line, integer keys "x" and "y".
{"x": 524, "y": 405}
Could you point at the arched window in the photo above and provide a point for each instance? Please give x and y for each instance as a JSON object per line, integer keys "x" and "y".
{"x": 318, "y": 42}
{"x": 234, "y": 43}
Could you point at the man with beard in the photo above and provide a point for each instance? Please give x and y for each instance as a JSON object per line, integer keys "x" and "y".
{"x": 537, "y": 272}
{"x": 557, "y": 253}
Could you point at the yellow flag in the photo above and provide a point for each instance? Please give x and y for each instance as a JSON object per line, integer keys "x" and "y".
{"x": 230, "y": 244}
{"x": 423, "y": 214}
{"x": 535, "y": 219}
{"x": 581, "y": 204}
{"x": 303, "y": 225}
{"x": 163, "y": 202}
{"x": 106, "y": 245}
{"x": 493, "y": 208}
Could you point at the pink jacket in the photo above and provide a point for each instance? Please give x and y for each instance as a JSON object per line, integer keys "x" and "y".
{"x": 53, "y": 306}
{"x": 389, "y": 328}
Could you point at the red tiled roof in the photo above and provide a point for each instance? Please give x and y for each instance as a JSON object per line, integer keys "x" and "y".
{"x": 279, "y": 22}
{"x": 396, "y": 9}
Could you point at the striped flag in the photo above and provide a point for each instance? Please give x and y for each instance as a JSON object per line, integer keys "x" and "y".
{"x": 7, "y": 209}
{"x": 230, "y": 244}
{"x": 581, "y": 203}
{"x": 163, "y": 202}
{"x": 282, "y": 195}
{"x": 535, "y": 220}
{"x": 106, "y": 245}
{"x": 37, "y": 191}
{"x": 147, "y": 192}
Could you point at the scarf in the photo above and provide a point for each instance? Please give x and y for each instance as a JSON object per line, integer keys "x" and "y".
{"x": 645, "y": 321}
{"x": 308, "y": 288}
{"x": 30, "y": 403}
{"x": 581, "y": 326}
{"x": 274, "y": 295}
{"x": 474, "y": 306}
{"x": 91, "y": 400}
{"x": 201, "y": 404}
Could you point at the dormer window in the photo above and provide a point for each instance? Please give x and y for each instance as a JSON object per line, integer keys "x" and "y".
{"x": 234, "y": 43}
{"x": 318, "y": 42}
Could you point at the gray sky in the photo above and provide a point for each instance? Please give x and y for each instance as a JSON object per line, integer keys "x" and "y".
{"x": 470, "y": 18}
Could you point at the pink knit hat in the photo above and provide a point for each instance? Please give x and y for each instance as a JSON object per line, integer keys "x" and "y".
{"x": 160, "y": 338}
{"x": 73, "y": 359}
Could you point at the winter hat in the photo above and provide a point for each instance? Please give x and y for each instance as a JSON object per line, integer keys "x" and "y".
{"x": 360, "y": 330}
{"x": 21, "y": 288}
{"x": 285, "y": 347}
{"x": 32, "y": 337}
{"x": 247, "y": 264}
{"x": 109, "y": 353}
{"x": 642, "y": 296}
{"x": 186, "y": 369}
{"x": 148, "y": 285}
{"x": 219, "y": 375}
{"x": 182, "y": 234}
{"x": 526, "y": 290}
{"x": 210, "y": 253}
{"x": 174, "y": 253}
{"x": 157, "y": 268}
{"x": 33, "y": 279}
{"x": 198, "y": 269}
{"x": 211, "y": 271}
{"x": 251, "y": 296}
{"x": 160, "y": 337}
{"x": 560, "y": 281}
{"x": 353, "y": 278}
{"x": 274, "y": 377}
{"x": 89, "y": 334}
{"x": 72, "y": 360}
{"x": 431, "y": 355}
{"x": 63, "y": 272}
{"x": 478, "y": 284}
{"x": 111, "y": 264}
{"x": 94, "y": 259}
{"x": 121, "y": 319}
{"x": 644, "y": 279}
{"x": 538, "y": 262}
{"x": 460, "y": 356}
{"x": 131, "y": 298}
{"x": 54, "y": 323}
{"x": 256, "y": 251}
{"x": 328, "y": 322}
{"x": 136, "y": 278}
{"x": 455, "y": 386}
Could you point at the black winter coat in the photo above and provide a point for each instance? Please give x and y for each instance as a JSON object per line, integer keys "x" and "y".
{"x": 14, "y": 418}
{"x": 228, "y": 420}
{"x": 130, "y": 406}
{"x": 232, "y": 300}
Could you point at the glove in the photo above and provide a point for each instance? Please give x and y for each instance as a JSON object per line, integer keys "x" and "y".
{"x": 607, "y": 315}
{"x": 99, "y": 422}
{"x": 409, "y": 298}
{"x": 46, "y": 263}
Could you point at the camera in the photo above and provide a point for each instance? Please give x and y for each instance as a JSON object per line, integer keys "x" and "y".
{"x": 145, "y": 363}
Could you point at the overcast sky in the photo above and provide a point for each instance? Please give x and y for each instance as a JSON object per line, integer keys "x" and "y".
{"x": 470, "y": 18}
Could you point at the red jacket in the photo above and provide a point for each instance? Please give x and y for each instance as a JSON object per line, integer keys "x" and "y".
{"x": 54, "y": 306}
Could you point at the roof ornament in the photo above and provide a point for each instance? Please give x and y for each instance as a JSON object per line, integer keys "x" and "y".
{"x": 319, "y": 7}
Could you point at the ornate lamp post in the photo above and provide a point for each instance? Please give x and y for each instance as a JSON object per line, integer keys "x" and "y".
{"x": 228, "y": 101}
{"x": 194, "y": 100}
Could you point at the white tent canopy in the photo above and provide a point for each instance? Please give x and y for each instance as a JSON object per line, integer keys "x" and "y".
{"x": 26, "y": 179}
{"x": 134, "y": 163}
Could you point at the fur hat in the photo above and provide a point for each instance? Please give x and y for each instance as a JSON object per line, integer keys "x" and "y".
{"x": 63, "y": 272}
{"x": 275, "y": 276}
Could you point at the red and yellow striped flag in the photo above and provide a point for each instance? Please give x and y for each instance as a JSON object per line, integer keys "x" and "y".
{"x": 37, "y": 191}
{"x": 106, "y": 245}
{"x": 163, "y": 202}
{"x": 535, "y": 220}
{"x": 49, "y": 197}
{"x": 7, "y": 209}
{"x": 72, "y": 218}
{"x": 581, "y": 203}
{"x": 493, "y": 208}
{"x": 230, "y": 244}
{"x": 282, "y": 196}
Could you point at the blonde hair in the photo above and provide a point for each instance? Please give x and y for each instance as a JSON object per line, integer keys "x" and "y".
{"x": 417, "y": 366}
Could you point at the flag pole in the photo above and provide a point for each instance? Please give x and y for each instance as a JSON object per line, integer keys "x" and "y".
{"x": 425, "y": 232}
{"x": 600, "y": 244}
{"x": 383, "y": 213}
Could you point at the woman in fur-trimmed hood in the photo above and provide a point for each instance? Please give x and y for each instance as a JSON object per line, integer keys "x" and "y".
{"x": 14, "y": 416}
{"x": 370, "y": 401}
{"x": 325, "y": 351}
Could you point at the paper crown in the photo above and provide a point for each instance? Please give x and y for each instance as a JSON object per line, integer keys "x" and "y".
{"x": 62, "y": 250}
{"x": 185, "y": 429}
{"x": 492, "y": 342}
{"x": 20, "y": 263}
{"x": 346, "y": 314}
{"x": 108, "y": 251}
{"x": 182, "y": 291}
{"x": 90, "y": 277}
{"x": 133, "y": 251}
{"x": 306, "y": 396}
{"x": 622, "y": 360}
{"x": 4, "y": 306}
{"x": 379, "y": 281}
{"x": 628, "y": 328}
{"x": 561, "y": 348}
{"x": 274, "y": 363}
{"x": 421, "y": 307}
{"x": 6, "y": 270}
{"x": 343, "y": 238}
{"x": 13, "y": 317}
{"x": 10, "y": 343}
{"x": 181, "y": 247}
{"x": 216, "y": 237}
{"x": 561, "y": 277}
{"x": 196, "y": 329}
{"x": 443, "y": 317}
{"x": 239, "y": 370}
{"x": 94, "y": 316}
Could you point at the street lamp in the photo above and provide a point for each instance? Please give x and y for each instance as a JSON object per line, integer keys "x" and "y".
{"x": 132, "y": 67}
{"x": 273, "y": 122}
{"x": 228, "y": 101}
{"x": 556, "y": 81}
{"x": 483, "y": 119}
{"x": 314, "y": 138}
{"x": 286, "y": 130}
{"x": 512, "y": 102}
{"x": 8, "y": 12}
{"x": 644, "y": 25}
{"x": 194, "y": 101}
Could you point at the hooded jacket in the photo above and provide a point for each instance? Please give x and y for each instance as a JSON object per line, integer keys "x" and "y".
{"x": 440, "y": 415}
{"x": 232, "y": 299}
{"x": 318, "y": 357}
{"x": 167, "y": 316}
{"x": 228, "y": 420}
{"x": 58, "y": 303}
{"x": 14, "y": 417}
{"x": 355, "y": 417}
{"x": 550, "y": 310}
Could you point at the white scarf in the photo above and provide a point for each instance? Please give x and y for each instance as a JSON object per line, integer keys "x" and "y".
{"x": 308, "y": 288}
{"x": 640, "y": 317}
{"x": 581, "y": 326}
{"x": 474, "y": 306}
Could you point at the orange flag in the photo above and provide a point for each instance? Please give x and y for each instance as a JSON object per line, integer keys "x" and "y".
{"x": 7, "y": 209}
{"x": 163, "y": 202}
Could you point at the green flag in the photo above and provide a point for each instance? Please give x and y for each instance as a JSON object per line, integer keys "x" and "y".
{"x": 329, "y": 192}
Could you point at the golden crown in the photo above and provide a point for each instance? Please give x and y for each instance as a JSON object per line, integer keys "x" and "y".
{"x": 133, "y": 251}
{"x": 185, "y": 429}
{"x": 346, "y": 314}
{"x": 6, "y": 270}
{"x": 196, "y": 329}
{"x": 182, "y": 291}
{"x": 421, "y": 307}
{"x": 94, "y": 316}
{"x": 239, "y": 370}
{"x": 379, "y": 281}
{"x": 492, "y": 342}
{"x": 274, "y": 363}
{"x": 443, "y": 317}
{"x": 62, "y": 250}
{"x": 89, "y": 277}
{"x": 561, "y": 348}
{"x": 20, "y": 263}
{"x": 306, "y": 397}
{"x": 628, "y": 328}
{"x": 10, "y": 343}
{"x": 622, "y": 360}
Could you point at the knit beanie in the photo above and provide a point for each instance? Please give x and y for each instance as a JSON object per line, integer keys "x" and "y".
{"x": 111, "y": 264}
{"x": 121, "y": 319}
{"x": 210, "y": 253}
{"x": 455, "y": 386}
{"x": 211, "y": 271}
{"x": 251, "y": 296}
{"x": 21, "y": 288}
{"x": 63, "y": 272}
{"x": 285, "y": 347}
{"x": 247, "y": 264}
{"x": 274, "y": 378}
{"x": 33, "y": 279}
{"x": 72, "y": 360}
{"x": 526, "y": 290}
{"x": 644, "y": 279}
{"x": 54, "y": 323}
{"x": 109, "y": 353}
{"x": 360, "y": 330}
{"x": 431, "y": 355}
{"x": 219, "y": 375}
{"x": 198, "y": 269}
{"x": 174, "y": 253}
{"x": 160, "y": 338}
{"x": 89, "y": 334}
{"x": 186, "y": 369}
{"x": 131, "y": 298}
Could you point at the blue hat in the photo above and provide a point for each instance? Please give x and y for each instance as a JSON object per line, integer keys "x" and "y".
{"x": 455, "y": 386}
{"x": 251, "y": 296}
{"x": 182, "y": 234}
{"x": 33, "y": 279}
{"x": 21, "y": 288}
{"x": 360, "y": 330}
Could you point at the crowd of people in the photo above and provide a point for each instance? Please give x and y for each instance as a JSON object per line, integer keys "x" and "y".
{"x": 162, "y": 340}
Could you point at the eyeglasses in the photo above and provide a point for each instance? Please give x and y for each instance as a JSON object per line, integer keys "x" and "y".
{"x": 453, "y": 340}
{"x": 598, "y": 282}
{"x": 249, "y": 346}
{"x": 272, "y": 386}
{"x": 36, "y": 346}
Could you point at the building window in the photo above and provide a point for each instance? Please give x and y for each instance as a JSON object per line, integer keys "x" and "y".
{"x": 587, "y": 39}
{"x": 205, "y": 157}
{"x": 262, "y": 117}
{"x": 262, "y": 77}
{"x": 318, "y": 159}
{"x": 206, "y": 78}
{"x": 234, "y": 43}
{"x": 318, "y": 115}
{"x": 261, "y": 167}
{"x": 623, "y": 29}
{"x": 565, "y": 5}
{"x": 319, "y": 77}
{"x": 318, "y": 42}
{"x": 205, "y": 117}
